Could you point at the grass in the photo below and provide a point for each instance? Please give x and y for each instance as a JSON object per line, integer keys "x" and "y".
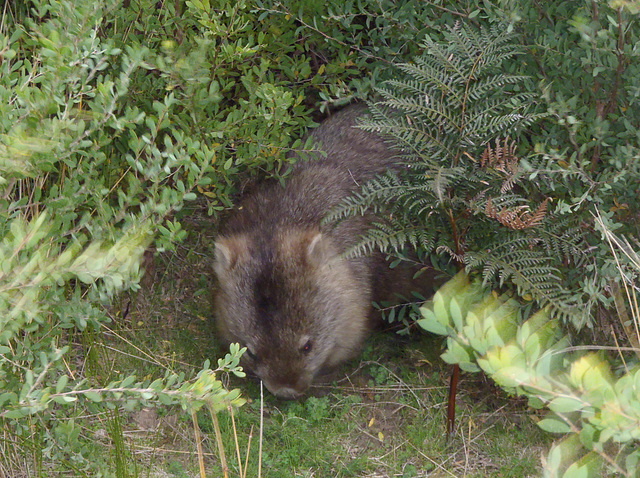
{"x": 382, "y": 416}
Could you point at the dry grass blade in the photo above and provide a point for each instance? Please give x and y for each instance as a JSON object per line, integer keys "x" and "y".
{"x": 261, "y": 429}
{"x": 196, "y": 430}
{"x": 235, "y": 437}
{"x": 15, "y": 461}
{"x": 631, "y": 325}
{"x": 223, "y": 457}
{"x": 246, "y": 461}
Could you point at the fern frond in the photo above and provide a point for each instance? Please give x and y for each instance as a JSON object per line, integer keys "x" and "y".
{"x": 478, "y": 205}
{"x": 410, "y": 133}
{"x": 564, "y": 240}
{"x": 486, "y": 86}
{"x": 502, "y": 158}
{"x": 482, "y": 126}
{"x": 490, "y": 45}
{"x": 372, "y": 196}
{"x": 519, "y": 217}
{"x": 530, "y": 271}
{"x": 389, "y": 238}
{"x": 430, "y": 77}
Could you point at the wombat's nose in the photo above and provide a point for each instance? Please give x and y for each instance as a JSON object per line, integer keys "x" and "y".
{"x": 284, "y": 392}
{"x": 287, "y": 393}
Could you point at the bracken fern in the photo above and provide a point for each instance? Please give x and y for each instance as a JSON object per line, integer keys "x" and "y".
{"x": 451, "y": 115}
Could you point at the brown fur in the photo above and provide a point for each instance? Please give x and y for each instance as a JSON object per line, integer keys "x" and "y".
{"x": 285, "y": 292}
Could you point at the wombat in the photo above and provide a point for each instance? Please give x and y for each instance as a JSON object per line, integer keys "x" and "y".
{"x": 285, "y": 290}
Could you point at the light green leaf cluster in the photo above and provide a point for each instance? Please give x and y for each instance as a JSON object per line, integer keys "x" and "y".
{"x": 633, "y": 6}
{"x": 33, "y": 264}
{"x": 174, "y": 389}
{"x": 598, "y": 409}
{"x": 92, "y": 172}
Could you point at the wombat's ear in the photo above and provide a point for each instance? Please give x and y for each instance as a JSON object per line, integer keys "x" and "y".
{"x": 318, "y": 248}
{"x": 229, "y": 251}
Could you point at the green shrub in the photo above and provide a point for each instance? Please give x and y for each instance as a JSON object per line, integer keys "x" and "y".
{"x": 99, "y": 150}
{"x": 593, "y": 400}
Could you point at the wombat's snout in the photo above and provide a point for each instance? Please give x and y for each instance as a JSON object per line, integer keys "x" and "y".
{"x": 286, "y": 389}
{"x": 286, "y": 393}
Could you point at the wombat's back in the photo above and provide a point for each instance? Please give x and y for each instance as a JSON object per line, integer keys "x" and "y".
{"x": 285, "y": 290}
{"x": 351, "y": 157}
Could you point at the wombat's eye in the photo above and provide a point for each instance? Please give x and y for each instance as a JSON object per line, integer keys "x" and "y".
{"x": 306, "y": 348}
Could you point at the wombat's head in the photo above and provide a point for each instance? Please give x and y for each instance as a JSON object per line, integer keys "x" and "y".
{"x": 293, "y": 302}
